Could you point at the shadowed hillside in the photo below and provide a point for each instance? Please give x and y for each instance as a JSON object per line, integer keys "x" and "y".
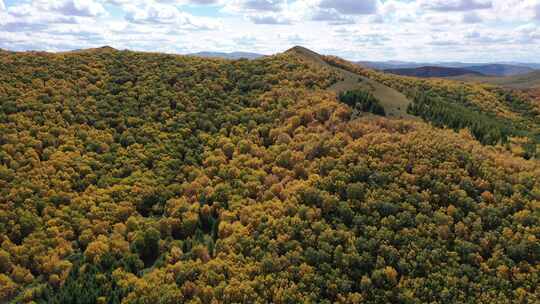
{"x": 433, "y": 71}
{"x": 493, "y": 69}
{"x": 500, "y": 69}
{"x": 525, "y": 81}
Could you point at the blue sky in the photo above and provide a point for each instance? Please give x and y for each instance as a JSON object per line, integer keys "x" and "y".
{"x": 414, "y": 30}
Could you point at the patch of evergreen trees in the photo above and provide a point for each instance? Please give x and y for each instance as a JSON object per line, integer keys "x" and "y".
{"x": 487, "y": 129}
{"x": 362, "y": 101}
{"x": 86, "y": 284}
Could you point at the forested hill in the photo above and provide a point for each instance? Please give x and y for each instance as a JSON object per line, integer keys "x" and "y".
{"x": 433, "y": 71}
{"x": 494, "y": 115}
{"x": 146, "y": 178}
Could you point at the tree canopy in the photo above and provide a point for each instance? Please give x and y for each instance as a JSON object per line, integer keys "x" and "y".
{"x": 146, "y": 178}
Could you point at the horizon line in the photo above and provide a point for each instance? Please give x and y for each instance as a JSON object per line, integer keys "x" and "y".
{"x": 442, "y": 61}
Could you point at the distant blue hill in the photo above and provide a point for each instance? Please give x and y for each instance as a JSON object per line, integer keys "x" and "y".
{"x": 491, "y": 69}
{"x": 500, "y": 69}
{"x": 433, "y": 71}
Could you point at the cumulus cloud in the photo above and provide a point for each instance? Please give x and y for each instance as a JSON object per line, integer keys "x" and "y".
{"x": 155, "y": 13}
{"x": 69, "y": 8}
{"x": 457, "y": 5}
{"x": 248, "y": 41}
{"x": 33, "y": 18}
{"x": 204, "y": 2}
{"x": 257, "y": 5}
{"x": 487, "y": 38}
{"x": 178, "y": 2}
{"x": 268, "y": 12}
{"x": 351, "y": 7}
{"x": 268, "y": 19}
{"x": 372, "y": 39}
{"x": 444, "y": 42}
{"x": 442, "y": 29}
{"x": 471, "y": 17}
{"x": 166, "y": 15}
{"x": 295, "y": 39}
{"x": 82, "y": 8}
{"x": 331, "y": 16}
{"x": 518, "y": 11}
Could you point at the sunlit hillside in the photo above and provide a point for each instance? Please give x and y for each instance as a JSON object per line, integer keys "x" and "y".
{"x": 131, "y": 177}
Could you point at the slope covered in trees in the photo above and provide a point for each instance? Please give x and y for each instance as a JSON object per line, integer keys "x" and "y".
{"x": 147, "y": 178}
{"x": 494, "y": 115}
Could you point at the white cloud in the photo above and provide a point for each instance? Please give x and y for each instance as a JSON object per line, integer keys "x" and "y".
{"x": 471, "y": 17}
{"x": 472, "y": 30}
{"x": 269, "y": 19}
{"x": 256, "y": 5}
{"x": 65, "y": 8}
{"x": 513, "y": 10}
{"x": 457, "y": 5}
{"x": 351, "y": 7}
{"x": 167, "y": 15}
{"x": 175, "y": 2}
{"x": 155, "y": 13}
{"x": 331, "y": 16}
{"x": 277, "y": 12}
{"x": 82, "y": 8}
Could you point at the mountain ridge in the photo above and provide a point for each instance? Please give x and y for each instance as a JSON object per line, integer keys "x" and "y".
{"x": 522, "y": 81}
{"x": 433, "y": 71}
{"x": 489, "y": 69}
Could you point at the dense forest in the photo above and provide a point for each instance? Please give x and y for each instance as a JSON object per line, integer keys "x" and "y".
{"x": 147, "y": 178}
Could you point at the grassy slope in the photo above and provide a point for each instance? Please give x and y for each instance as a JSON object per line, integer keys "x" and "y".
{"x": 394, "y": 103}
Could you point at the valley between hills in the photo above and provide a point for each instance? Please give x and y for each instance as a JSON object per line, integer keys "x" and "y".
{"x": 131, "y": 177}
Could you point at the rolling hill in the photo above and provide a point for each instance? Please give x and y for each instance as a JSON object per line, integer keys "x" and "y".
{"x": 129, "y": 177}
{"x": 433, "y": 71}
{"x": 494, "y": 69}
{"x": 392, "y": 64}
{"x": 500, "y": 69}
{"x": 525, "y": 81}
{"x": 232, "y": 55}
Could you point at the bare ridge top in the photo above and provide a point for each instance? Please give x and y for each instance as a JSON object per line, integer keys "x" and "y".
{"x": 303, "y": 50}
{"x": 306, "y": 54}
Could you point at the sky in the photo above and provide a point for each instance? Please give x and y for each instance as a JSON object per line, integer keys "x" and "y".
{"x": 408, "y": 30}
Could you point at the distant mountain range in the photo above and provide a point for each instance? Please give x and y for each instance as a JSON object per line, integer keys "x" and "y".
{"x": 500, "y": 69}
{"x": 410, "y": 68}
{"x": 522, "y": 81}
{"x": 449, "y": 69}
{"x": 232, "y": 55}
{"x": 433, "y": 71}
